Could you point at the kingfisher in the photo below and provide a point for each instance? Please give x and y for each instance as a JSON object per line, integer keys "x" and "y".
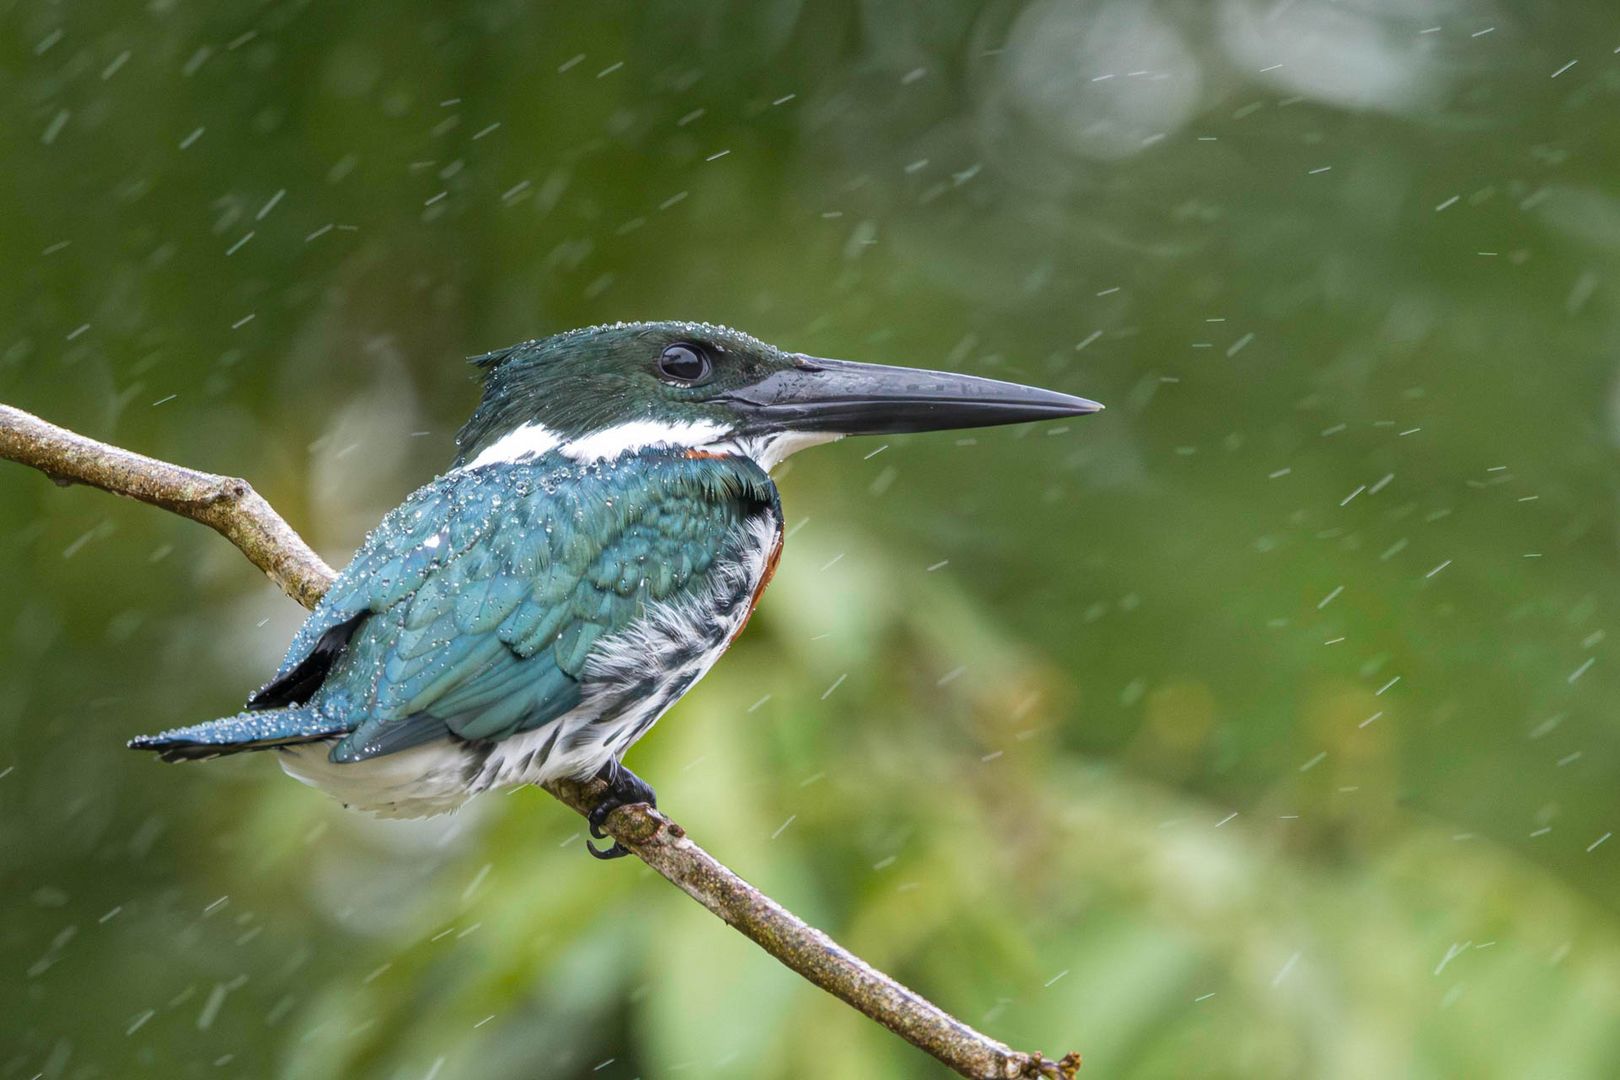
{"x": 607, "y": 527}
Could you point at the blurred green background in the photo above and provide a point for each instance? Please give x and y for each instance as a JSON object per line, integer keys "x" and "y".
{"x": 1262, "y": 726}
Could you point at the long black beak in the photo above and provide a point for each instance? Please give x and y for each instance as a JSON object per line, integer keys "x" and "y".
{"x": 838, "y": 396}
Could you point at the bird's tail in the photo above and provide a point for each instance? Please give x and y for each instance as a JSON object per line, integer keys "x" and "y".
{"x": 244, "y": 731}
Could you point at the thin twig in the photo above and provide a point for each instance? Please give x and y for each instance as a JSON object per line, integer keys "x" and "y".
{"x": 233, "y": 509}
{"x": 228, "y": 506}
{"x": 663, "y": 845}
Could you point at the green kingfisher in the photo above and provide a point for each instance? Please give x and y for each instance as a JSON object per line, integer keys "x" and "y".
{"x": 604, "y": 533}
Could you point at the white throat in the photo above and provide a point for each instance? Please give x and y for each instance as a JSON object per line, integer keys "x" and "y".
{"x": 532, "y": 440}
{"x": 769, "y": 451}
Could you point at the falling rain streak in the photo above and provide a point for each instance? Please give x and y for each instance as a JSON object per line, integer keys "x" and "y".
{"x": 1286, "y": 676}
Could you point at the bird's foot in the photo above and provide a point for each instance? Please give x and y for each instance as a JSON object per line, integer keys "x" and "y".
{"x": 625, "y": 788}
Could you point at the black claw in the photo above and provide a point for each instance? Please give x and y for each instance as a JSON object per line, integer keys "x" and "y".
{"x": 625, "y": 788}
{"x": 617, "y": 851}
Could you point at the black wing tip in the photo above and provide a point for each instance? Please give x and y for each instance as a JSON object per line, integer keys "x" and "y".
{"x": 173, "y": 750}
{"x": 296, "y": 687}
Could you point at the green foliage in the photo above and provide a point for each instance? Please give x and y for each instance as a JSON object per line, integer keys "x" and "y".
{"x": 1257, "y": 727}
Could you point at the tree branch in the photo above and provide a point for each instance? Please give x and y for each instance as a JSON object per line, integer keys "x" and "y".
{"x": 228, "y": 506}
{"x": 234, "y": 510}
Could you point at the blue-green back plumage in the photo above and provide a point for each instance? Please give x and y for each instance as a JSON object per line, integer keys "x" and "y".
{"x": 474, "y": 607}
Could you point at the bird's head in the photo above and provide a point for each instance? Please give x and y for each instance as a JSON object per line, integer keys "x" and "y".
{"x": 606, "y": 390}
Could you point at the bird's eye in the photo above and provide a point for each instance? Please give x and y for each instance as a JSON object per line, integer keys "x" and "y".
{"x": 685, "y": 363}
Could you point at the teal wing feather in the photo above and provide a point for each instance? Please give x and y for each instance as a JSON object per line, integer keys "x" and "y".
{"x": 474, "y": 608}
{"x": 396, "y": 559}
